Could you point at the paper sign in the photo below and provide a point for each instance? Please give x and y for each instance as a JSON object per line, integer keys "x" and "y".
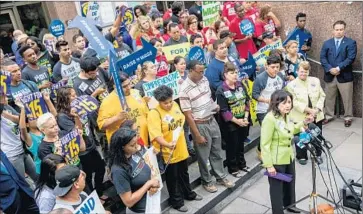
{"x": 114, "y": 73}
{"x": 261, "y": 55}
{"x": 93, "y": 11}
{"x": 5, "y": 83}
{"x": 249, "y": 67}
{"x": 91, "y": 204}
{"x": 247, "y": 27}
{"x": 176, "y": 50}
{"x": 70, "y": 144}
{"x": 85, "y": 105}
{"x": 34, "y": 105}
{"x": 253, "y": 103}
{"x": 127, "y": 15}
{"x": 153, "y": 203}
{"x": 300, "y": 36}
{"x": 84, "y": 8}
{"x": 56, "y": 86}
{"x": 196, "y": 53}
{"x": 152, "y": 162}
{"x": 129, "y": 63}
{"x": 170, "y": 80}
{"x": 176, "y": 133}
{"x": 56, "y": 28}
{"x": 210, "y": 12}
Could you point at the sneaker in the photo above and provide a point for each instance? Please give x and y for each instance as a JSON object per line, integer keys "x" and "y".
{"x": 183, "y": 209}
{"x": 210, "y": 188}
{"x": 302, "y": 161}
{"x": 198, "y": 198}
{"x": 248, "y": 140}
{"x": 320, "y": 160}
{"x": 225, "y": 182}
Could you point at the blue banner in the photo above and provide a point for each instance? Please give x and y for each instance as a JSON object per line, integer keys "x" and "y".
{"x": 70, "y": 144}
{"x": 5, "y": 82}
{"x": 113, "y": 68}
{"x": 196, "y": 53}
{"x": 56, "y": 28}
{"x": 85, "y": 105}
{"x": 93, "y": 35}
{"x": 34, "y": 105}
{"x": 129, "y": 64}
{"x": 249, "y": 67}
{"x": 300, "y": 36}
{"x": 247, "y": 27}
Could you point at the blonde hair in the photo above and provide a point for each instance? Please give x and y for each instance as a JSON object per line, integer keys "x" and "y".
{"x": 305, "y": 65}
{"x": 43, "y": 119}
{"x": 144, "y": 67}
{"x": 138, "y": 28}
{"x": 289, "y": 43}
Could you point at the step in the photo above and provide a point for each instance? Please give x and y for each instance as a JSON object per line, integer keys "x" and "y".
{"x": 211, "y": 199}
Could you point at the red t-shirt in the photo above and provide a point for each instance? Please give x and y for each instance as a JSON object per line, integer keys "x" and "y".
{"x": 244, "y": 46}
{"x": 167, "y": 14}
{"x": 150, "y": 34}
{"x": 161, "y": 65}
{"x": 253, "y": 14}
{"x": 165, "y": 37}
{"x": 262, "y": 26}
{"x": 228, "y": 10}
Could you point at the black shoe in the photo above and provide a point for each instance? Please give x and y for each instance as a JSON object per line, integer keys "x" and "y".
{"x": 292, "y": 210}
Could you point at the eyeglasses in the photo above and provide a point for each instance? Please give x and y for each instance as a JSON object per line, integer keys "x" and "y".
{"x": 193, "y": 22}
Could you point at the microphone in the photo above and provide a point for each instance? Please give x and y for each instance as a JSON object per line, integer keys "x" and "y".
{"x": 315, "y": 133}
{"x": 302, "y": 140}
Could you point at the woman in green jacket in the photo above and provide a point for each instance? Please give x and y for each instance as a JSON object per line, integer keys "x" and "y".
{"x": 277, "y": 132}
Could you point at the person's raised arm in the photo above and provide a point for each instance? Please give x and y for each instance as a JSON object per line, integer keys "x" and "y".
{"x": 49, "y": 103}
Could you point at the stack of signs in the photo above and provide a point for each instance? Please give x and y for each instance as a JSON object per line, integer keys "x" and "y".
{"x": 5, "y": 83}
{"x": 196, "y": 53}
{"x": 176, "y": 50}
{"x": 56, "y": 28}
{"x": 247, "y": 27}
{"x": 34, "y": 105}
{"x": 210, "y": 12}
{"x": 70, "y": 144}
{"x": 85, "y": 105}
{"x": 261, "y": 55}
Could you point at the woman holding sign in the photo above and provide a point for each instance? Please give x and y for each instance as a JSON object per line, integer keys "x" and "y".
{"x": 292, "y": 59}
{"x": 148, "y": 74}
{"x": 167, "y": 135}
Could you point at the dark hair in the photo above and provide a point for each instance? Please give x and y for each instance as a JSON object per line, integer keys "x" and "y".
{"x": 300, "y": 15}
{"x": 194, "y": 37}
{"x": 76, "y": 54}
{"x": 162, "y": 93}
{"x": 172, "y": 25}
{"x": 229, "y": 66}
{"x": 217, "y": 25}
{"x": 123, "y": 76}
{"x": 177, "y": 59}
{"x": 340, "y": 22}
{"x": 119, "y": 139}
{"x": 193, "y": 64}
{"x": 273, "y": 59}
{"x": 154, "y": 40}
{"x": 38, "y": 42}
{"x": 176, "y": 7}
{"x": 89, "y": 63}
{"x": 128, "y": 124}
{"x": 74, "y": 38}
{"x": 277, "y": 97}
{"x": 191, "y": 18}
{"x": 63, "y": 100}
{"x": 155, "y": 16}
{"x": 165, "y": 25}
{"x": 59, "y": 44}
{"x": 22, "y": 49}
{"x": 141, "y": 8}
{"x": 237, "y": 5}
{"x": 48, "y": 167}
{"x": 217, "y": 43}
{"x": 277, "y": 52}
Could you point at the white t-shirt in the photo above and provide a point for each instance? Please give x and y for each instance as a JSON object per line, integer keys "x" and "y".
{"x": 71, "y": 206}
{"x": 45, "y": 200}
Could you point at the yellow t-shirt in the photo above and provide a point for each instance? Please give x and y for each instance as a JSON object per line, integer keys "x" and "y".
{"x": 111, "y": 106}
{"x": 163, "y": 125}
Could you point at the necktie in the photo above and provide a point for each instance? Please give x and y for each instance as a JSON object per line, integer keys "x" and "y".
{"x": 337, "y": 45}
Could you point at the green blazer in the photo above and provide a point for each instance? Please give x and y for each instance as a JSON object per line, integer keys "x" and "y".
{"x": 276, "y": 137}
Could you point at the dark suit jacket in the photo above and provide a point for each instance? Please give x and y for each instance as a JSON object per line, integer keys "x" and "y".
{"x": 10, "y": 183}
{"x": 343, "y": 59}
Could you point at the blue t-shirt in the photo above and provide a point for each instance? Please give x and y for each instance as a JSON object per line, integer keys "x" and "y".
{"x": 36, "y": 140}
{"x": 22, "y": 89}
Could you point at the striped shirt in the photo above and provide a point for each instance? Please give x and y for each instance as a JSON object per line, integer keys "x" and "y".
{"x": 196, "y": 97}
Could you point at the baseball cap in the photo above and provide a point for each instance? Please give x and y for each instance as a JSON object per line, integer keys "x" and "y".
{"x": 267, "y": 34}
{"x": 224, "y": 34}
{"x": 65, "y": 177}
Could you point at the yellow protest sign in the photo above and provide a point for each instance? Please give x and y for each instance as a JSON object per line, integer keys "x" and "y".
{"x": 176, "y": 50}
{"x": 261, "y": 55}
{"x": 253, "y": 103}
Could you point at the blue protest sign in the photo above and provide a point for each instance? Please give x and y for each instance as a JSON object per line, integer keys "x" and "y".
{"x": 56, "y": 86}
{"x": 249, "y": 67}
{"x": 5, "y": 83}
{"x": 56, "y": 28}
{"x": 93, "y": 35}
{"x": 85, "y": 105}
{"x": 70, "y": 144}
{"x": 196, "y": 53}
{"x": 300, "y": 36}
{"x": 129, "y": 64}
{"x": 114, "y": 72}
{"x": 34, "y": 105}
{"x": 127, "y": 16}
{"x": 247, "y": 27}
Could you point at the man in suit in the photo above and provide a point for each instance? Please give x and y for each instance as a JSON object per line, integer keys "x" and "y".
{"x": 337, "y": 56}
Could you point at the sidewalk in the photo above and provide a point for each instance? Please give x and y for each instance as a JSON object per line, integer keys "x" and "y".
{"x": 253, "y": 196}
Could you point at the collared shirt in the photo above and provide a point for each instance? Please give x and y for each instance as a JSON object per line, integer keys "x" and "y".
{"x": 196, "y": 97}
{"x": 340, "y": 41}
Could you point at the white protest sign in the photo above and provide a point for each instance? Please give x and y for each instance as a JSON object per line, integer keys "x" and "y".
{"x": 153, "y": 203}
{"x": 261, "y": 55}
{"x": 152, "y": 162}
{"x": 210, "y": 12}
{"x": 92, "y": 204}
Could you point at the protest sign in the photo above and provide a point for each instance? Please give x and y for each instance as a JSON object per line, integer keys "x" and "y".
{"x": 56, "y": 28}
{"x": 85, "y": 105}
{"x": 253, "y": 103}
{"x": 56, "y": 86}
{"x": 247, "y": 27}
{"x": 84, "y": 8}
{"x": 5, "y": 83}
{"x": 152, "y": 162}
{"x": 196, "y": 53}
{"x": 129, "y": 63}
{"x": 261, "y": 55}
{"x": 302, "y": 37}
{"x": 34, "y": 105}
{"x": 93, "y": 35}
{"x": 91, "y": 204}
{"x": 127, "y": 15}
{"x": 93, "y": 11}
{"x": 153, "y": 203}
{"x": 210, "y": 12}
{"x": 70, "y": 144}
{"x": 114, "y": 73}
{"x": 249, "y": 67}
{"x": 176, "y": 50}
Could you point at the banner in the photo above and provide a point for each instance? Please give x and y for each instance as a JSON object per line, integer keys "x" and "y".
{"x": 170, "y": 80}
{"x": 85, "y": 105}
{"x": 34, "y": 105}
{"x": 91, "y": 204}
{"x": 247, "y": 27}
{"x": 93, "y": 35}
{"x": 152, "y": 162}
{"x": 261, "y": 55}
{"x": 300, "y": 36}
{"x": 70, "y": 144}
{"x": 210, "y": 12}
{"x": 114, "y": 73}
{"x": 56, "y": 86}
{"x": 129, "y": 63}
{"x": 56, "y": 28}
{"x": 5, "y": 82}
{"x": 176, "y": 50}
{"x": 249, "y": 67}
{"x": 196, "y": 53}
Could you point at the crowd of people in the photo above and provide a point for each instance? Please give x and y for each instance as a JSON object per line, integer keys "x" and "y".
{"x": 213, "y": 110}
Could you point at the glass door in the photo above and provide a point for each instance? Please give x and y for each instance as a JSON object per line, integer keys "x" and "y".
{"x": 7, "y": 26}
